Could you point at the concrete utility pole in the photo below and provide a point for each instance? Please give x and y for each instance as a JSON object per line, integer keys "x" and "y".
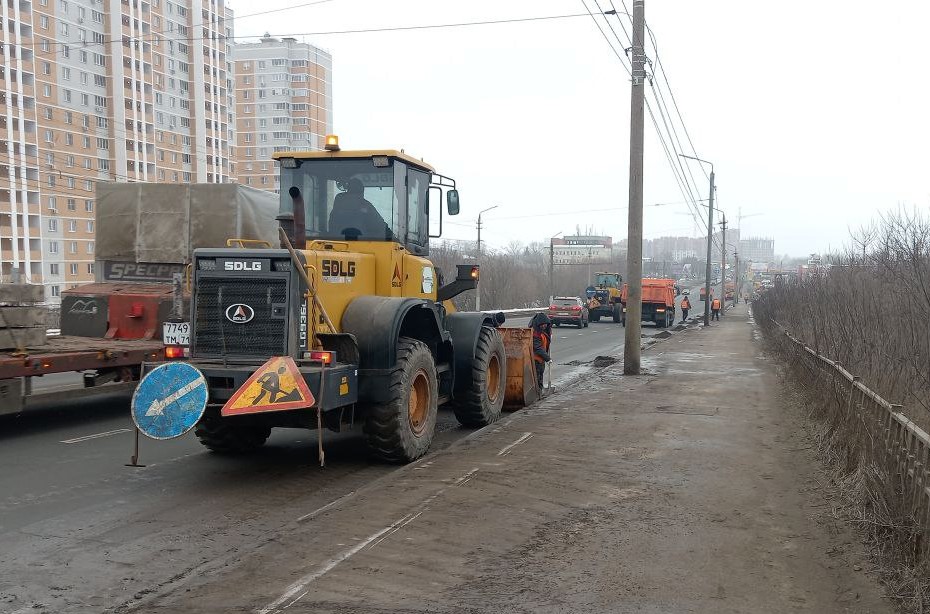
{"x": 723, "y": 265}
{"x": 737, "y": 280}
{"x": 634, "y": 304}
{"x": 478, "y": 259}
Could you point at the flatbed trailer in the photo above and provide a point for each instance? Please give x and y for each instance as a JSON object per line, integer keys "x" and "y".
{"x": 99, "y": 365}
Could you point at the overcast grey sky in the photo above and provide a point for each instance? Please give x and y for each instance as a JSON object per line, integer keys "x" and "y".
{"x": 815, "y": 113}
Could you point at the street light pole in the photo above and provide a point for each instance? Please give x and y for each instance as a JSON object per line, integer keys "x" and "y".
{"x": 478, "y": 259}
{"x": 710, "y": 238}
{"x": 723, "y": 266}
{"x": 551, "y": 263}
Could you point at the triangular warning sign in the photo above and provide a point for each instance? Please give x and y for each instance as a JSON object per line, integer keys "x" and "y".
{"x": 276, "y": 386}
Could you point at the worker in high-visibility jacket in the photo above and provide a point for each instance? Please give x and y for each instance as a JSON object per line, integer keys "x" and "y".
{"x": 685, "y": 308}
{"x": 542, "y": 340}
{"x": 715, "y": 309}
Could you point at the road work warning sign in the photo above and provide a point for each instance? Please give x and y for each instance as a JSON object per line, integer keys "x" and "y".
{"x": 276, "y": 386}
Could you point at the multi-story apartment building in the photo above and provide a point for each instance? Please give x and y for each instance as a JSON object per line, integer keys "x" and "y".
{"x": 90, "y": 90}
{"x": 757, "y": 249}
{"x": 283, "y": 102}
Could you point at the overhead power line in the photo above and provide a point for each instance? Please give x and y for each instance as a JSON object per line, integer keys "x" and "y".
{"x": 436, "y": 26}
{"x": 671, "y": 145}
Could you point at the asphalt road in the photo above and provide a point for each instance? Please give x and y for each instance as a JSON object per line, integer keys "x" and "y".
{"x": 80, "y": 531}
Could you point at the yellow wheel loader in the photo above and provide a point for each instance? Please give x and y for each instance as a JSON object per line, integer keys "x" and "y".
{"x": 352, "y": 309}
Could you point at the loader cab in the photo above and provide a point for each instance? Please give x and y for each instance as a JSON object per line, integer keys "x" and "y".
{"x": 382, "y": 195}
{"x": 607, "y": 280}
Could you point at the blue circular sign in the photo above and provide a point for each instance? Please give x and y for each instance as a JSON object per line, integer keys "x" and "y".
{"x": 169, "y": 400}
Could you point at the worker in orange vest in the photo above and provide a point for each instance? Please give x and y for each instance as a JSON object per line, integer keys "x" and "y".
{"x": 685, "y": 307}
{"x": 715, "y": 309}
{"x": 542, "y": 339}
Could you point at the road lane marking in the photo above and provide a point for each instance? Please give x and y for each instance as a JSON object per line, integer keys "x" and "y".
{"x": 508, "y": 448}
{"x": 320, "y": 510}
{"x": 291, "y": 595}
{"x": 96, "y": 436}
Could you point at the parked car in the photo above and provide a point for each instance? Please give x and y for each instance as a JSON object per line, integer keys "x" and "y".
{"x": 568, "y": 310}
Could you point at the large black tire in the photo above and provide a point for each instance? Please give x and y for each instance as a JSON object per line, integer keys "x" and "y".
{"x": 482, "y": 398}
{"x": 225, "y": 436}
{"x": 618, "y": 313}
{"x": 595, "y": 317}
{"x": 401, "y": 430}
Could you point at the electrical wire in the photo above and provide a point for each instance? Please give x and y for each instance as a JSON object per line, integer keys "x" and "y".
{"x": 678, "y": 169}
{"x": 220, "y": 38}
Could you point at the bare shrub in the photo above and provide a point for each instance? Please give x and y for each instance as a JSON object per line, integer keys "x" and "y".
{"x": 869, "y": 313}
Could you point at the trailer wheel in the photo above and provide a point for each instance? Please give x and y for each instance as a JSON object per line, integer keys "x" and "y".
{"x": 483, "y": 397}
{"x": 618, "y": 314}
{"x": 401, "y": 430}
{"x": 224, "y": 436}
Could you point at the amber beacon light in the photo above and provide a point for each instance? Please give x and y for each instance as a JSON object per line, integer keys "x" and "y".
{"x": 332, "y": 143}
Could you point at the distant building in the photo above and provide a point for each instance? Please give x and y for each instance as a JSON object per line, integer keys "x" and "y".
{"x": 582, "y": 249}
{"x": 757, "y": 250}
{"x": 102, "y": 91}
{"x": 284, "y": 102}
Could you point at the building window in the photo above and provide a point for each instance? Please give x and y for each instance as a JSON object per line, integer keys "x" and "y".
{"x": 72, "y": 248}
{"x": 90, "y": 268}
{"x": 72, "y": 226}
{"x": 88, "y": 205}
{"x": 43, "y": 22}
{"x": 47, "y": 90}
{"x": 71, "y": 205}
{"x": 56, "y": 291}
{"x": 53, "y": 269}
{"x": 53, "y": 247}
{"x": 90, "y": 247}
{"x": 53, "y": 224}
{"x": 90, "y": 225}
{"x": 74, "y": 268}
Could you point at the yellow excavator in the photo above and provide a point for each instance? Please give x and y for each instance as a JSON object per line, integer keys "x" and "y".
{"x": 351, "y": 299}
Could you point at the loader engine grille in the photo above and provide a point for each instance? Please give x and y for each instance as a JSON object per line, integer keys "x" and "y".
{"x": 216, "y": 329}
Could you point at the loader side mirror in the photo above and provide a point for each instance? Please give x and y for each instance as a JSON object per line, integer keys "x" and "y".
{"x": 452, "y": 202}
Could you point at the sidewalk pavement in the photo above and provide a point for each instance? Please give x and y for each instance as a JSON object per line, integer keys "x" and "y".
{"x": 689, "y": 488}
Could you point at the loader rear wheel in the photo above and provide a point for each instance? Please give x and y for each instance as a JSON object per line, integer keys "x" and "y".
{"x": 482, "y": 397}
{"x": 401, "y": 430}
{"x": 223, "y": 435}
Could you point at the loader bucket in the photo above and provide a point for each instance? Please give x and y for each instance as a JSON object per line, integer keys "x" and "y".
{"x": 522, "y": 389}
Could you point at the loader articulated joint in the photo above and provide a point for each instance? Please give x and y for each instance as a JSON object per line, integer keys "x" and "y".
{"x": 466, "y": 279}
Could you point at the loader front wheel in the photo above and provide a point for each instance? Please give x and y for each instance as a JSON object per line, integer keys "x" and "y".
{"x": 401, "y": 430}
{"x": 481, "y": 399}
{"x": 223, "y": 435}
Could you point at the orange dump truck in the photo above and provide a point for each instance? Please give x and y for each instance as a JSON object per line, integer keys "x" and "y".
{"x": 658, "y": 302}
